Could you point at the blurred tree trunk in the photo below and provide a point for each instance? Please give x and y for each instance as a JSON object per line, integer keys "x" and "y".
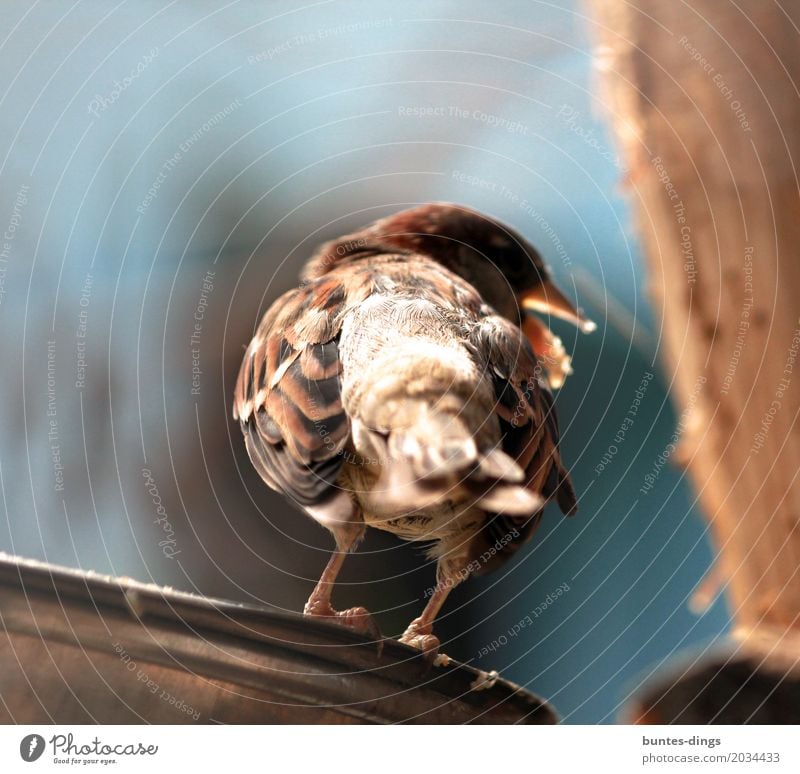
{"x": 704, "y": 98}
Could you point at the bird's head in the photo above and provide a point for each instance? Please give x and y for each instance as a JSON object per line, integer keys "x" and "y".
{"x": 506, "y": 269}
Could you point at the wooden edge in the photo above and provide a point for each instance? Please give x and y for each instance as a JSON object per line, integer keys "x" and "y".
{"x": 304, "y": 659}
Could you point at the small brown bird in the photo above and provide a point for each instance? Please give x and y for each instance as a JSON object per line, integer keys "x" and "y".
{"x": 401, "y": 387}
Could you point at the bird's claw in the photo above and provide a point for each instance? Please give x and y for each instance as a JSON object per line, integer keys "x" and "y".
{"x": 356, "y": 618}
{"x": 420, "y": 638}
{"x": 361, "y": 620}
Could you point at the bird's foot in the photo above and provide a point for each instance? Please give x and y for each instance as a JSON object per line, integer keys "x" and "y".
{"x": 419, "y": 635}
{"x": 357, "y": 618}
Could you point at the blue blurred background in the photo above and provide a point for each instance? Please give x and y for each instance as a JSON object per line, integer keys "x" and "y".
{"x": 170, "y": 165}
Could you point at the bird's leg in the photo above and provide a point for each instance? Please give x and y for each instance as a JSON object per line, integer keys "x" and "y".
{"x": 419, "y": 634}
{"x": 319, "y": 603}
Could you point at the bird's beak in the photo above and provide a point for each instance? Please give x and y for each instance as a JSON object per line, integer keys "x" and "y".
{"x": 548, "y": 299}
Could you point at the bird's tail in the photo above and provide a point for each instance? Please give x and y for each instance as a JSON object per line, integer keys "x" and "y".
{"x": 437, "y": 436}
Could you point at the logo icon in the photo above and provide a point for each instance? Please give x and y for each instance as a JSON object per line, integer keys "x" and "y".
{"x": 31, "y": 747}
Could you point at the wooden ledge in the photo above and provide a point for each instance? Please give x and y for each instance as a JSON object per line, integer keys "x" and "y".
{"x": 78, "y": 647}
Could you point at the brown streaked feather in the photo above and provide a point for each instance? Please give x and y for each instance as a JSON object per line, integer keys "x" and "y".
{"x": 288, "y": 396}
{"x": 320, "y": 361}
{"x": 559, "y": 483}
{"x": 524, "y": 406}
{"x": 524, "y": 403}
{"x": 289, "y": 400}
{"x": 395, "y": 389}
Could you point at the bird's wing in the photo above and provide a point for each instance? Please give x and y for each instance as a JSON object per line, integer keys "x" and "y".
{"x": 287, "y": 395}
{"x": 529, "y": 427}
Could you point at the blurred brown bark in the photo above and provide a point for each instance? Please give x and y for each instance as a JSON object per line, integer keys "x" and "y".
{"x": 704, "y": 98}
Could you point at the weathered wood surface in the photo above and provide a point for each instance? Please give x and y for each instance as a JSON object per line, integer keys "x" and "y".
{"x": 83, "y": 648}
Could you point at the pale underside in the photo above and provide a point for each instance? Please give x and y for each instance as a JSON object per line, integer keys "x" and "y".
{"x": 405, "y": 369}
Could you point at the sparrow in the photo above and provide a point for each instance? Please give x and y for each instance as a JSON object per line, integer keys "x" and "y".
{"x": 405, "y": 385}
